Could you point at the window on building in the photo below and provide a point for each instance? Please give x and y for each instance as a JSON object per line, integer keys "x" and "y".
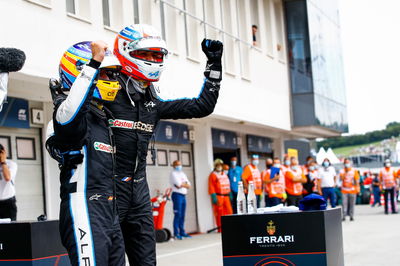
{"x": 210, "y": 7}
{"x": 25, "y": 148}
{"x": 45, "y": 3}
{"x": 145, "y": 11}
{"x": 169, "y": 16}
{"x": 136, "y": 11}
{"x": 280, "y": 41}
{"x": 113, "y": 14}
{"x": 243, "y": 27}
{"x": 229, "y": 41}
{"x": 193, "y": 28}
{"x": 79, "y": 8}
{"x": 267, "y": 27}
{"x": 255, "y": 22}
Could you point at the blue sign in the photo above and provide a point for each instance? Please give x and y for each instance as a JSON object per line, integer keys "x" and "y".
{"x": 172, "y": 133}
{"x": 259, "y": 144}
{"x": 15, "y": 113}
{"x": 224, "y": 139}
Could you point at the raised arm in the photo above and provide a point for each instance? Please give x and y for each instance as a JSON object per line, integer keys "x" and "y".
{"x": 205, "y": 102}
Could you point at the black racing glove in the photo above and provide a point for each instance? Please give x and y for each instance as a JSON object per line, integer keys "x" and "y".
{"x": 213, "y": 50}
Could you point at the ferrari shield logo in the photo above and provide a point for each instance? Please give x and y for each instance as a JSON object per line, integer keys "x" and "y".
{"x": 271, "y": 228}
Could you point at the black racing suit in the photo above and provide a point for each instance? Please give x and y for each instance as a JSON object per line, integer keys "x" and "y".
{"x": 136, "y": 116}
{"x": 89, "y": 225}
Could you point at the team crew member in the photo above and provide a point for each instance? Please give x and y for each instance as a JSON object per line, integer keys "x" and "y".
{"x": 286, "y": 164}
{"x": 82, "y": 143}
{"x": 251, "y": 173}
{"x": 274, "y": 185}
{"x": 311, "y": 173}
{"x": 220, "y": 192}
{"x": 350, "y": 187}
{"x": 387, "y": 177}
{"x": 137, "y": 110}
{"x": 294, "y": 179}
{"x": 235, "y": 175}
{"x": 376, "y": 190}
{"x": 180, "y": 185}
{"x": 328, "y": 178}
{"x": 8, "y": 172}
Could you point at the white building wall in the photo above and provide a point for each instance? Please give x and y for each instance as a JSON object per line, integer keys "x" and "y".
{"x": 254, "y": 96}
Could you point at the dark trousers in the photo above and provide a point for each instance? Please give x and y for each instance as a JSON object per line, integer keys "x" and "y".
{"x": 179, "y": 202}
{"x": 258, "y": 197}
{"x": 273, "y": 201}
{"x": 389, "y": 192}
{"x": 293, "y": 200}
{"x": 377, "y": 195}
{"x": 329, "y": 193}
{"x": 234, "y": 202}
{"x": 8, "y": 209}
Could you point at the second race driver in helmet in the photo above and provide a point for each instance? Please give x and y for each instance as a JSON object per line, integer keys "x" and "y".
{"x": 137, "y": 110}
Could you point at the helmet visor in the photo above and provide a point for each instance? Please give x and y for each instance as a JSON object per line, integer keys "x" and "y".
{"x": 149, "y": 55}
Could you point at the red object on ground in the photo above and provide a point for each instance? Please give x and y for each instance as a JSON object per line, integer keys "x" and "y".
{"x": 368, "y": 180}
{"x": 158, "y": 203}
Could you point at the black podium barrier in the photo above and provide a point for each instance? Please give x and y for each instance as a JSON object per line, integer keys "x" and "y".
{"x": 31, "y": 243}
{"x": 293, "y": 238}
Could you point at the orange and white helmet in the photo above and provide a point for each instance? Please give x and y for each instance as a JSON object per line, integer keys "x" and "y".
{"x": 140, "y": 37}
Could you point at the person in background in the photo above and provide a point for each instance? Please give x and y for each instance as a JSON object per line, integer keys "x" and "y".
{"x": 306, "y": 167}
{"x": 274, "y": 182}
{"x": 268, "y": 164}
{"x": 235, "y": 175}
{"x": 180, "y": 185}
{"x": 311, "y": 173}
{"x": 254, "y": 30}
{"x": 251, "y": 173}
{"x": 219, "y": 189}
{"x": 328, "y": 177}
{"x": 294, "y": 179}
{"x": 286, "y": 163}
{"x": 387, "y": 177}
{"x": 8, "y": 206}
{"x": 350, "y": 180}
{"x": 376, "y": 190}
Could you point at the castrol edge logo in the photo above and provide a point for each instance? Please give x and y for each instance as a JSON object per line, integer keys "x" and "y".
{"x": 272, "y": 240}
{"x": 99, "y": 146}
{"x": 119, "y": 123}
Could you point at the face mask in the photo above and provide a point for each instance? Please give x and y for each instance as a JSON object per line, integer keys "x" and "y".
{"x": 233, "y": 163}
{"x": 178, "y": 167}
{"x": 287, "y": 162}
{"x": 388, "y": 164}
{"x": 312, "y": 168}
{"x": 218, "y": 169}
{"x": 326, "y": 164}
{"x": 277, "y": 165}
{"x": 295, "y": 167}
{"x": 347, "y": 165}
{"x": 255, "y": 162}
{"x": 269, "y": 166}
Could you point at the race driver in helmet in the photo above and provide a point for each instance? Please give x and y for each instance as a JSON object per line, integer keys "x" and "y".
{"x": 137, "y": 110}
{"x": 82, "y": 143}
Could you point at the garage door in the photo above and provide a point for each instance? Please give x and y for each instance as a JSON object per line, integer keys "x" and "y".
{"x": 158, "y": 178}
{"x": 23, "y": 146}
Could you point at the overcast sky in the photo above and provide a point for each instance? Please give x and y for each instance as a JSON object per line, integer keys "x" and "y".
{"x": 371, "y": 50}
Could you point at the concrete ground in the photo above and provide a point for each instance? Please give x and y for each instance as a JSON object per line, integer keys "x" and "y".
{"x": 370, "y": 240}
